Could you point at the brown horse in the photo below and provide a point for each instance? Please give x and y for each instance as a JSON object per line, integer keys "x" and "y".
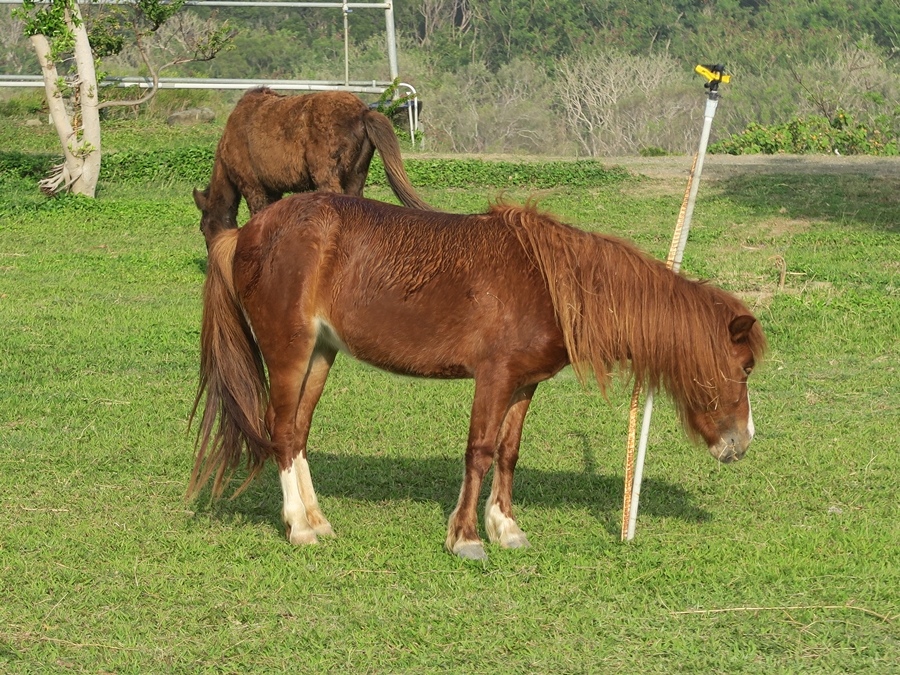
{"x": 274, "y": 144}
{"x": 508, "y": 297}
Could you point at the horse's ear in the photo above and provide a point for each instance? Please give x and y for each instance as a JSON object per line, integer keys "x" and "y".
{"x": 740, "y": 328}
{"x": 200, "y": 199}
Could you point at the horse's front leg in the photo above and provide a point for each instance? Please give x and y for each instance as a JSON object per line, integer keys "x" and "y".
{"x": 489, "y": 408}
{"x": 499, "y": 521}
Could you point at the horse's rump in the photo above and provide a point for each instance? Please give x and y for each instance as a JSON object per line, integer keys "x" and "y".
{"x": 285, "y": 142}
{"x": 273, "y": 144}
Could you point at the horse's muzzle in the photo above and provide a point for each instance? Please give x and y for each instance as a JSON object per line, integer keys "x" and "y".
{"x": 731, "y": 447}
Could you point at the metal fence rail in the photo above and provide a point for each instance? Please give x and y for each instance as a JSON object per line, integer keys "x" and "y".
{"x": 218, "y": 83}
{"x": 345, "y": 7}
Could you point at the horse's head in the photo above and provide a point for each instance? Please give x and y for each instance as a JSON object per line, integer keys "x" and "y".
{"x": 723, "y": 419}
{"x": 214, "y": 217}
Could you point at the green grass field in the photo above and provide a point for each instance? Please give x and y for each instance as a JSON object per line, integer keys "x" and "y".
{"x": 787, "y": 561}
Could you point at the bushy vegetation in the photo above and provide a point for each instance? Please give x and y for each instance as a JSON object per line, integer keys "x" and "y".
{"x": 599, "y": 78}
{"x": 815, "y": 134}
{"x": 192, "y": 165}
{"x": 18, "y": 165}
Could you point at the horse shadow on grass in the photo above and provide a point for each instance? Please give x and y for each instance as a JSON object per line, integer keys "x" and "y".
{"x": 803, "y": 194}
{"x": 437, "y": 479}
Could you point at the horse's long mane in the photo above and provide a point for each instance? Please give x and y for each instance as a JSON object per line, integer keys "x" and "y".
{"x": 617, "y": 306}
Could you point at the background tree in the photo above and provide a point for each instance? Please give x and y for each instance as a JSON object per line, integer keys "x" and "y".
{"x": 611, "y": 100}
{"x": 857, "y": 74}
{"x": 68, "y": 49}
{"x": 516, "y": 75}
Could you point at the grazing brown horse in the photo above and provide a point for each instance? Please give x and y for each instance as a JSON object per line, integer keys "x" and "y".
{"x": 274, "y": 144}
{"x": 508, "y": 297}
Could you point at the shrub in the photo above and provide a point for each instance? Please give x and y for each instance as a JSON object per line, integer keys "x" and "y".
{"x": 467, "y": 173}
{"x": 815, "y": 134}
{"x": 192, "y": 165}
{"x": 653, "y": 151}
{"x": 23, "y": 165}
{"x": 24, "y": 104}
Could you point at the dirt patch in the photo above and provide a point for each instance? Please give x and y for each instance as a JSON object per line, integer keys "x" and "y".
{"x": 721, "y": 166}
{"x": 717, "y": 167}
{"x": 777, "y": 227}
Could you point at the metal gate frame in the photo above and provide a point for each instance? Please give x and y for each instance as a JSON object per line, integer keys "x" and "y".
{"x": 357, "y": 86}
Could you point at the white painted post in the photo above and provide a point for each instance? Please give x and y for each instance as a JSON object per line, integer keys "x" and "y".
{"x": 346, "y": 11}
{"x": 714, "y": 75}
{"x": 391, "y": 40}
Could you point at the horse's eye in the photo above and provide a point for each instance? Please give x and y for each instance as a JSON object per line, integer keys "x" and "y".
{"x": 748, "y": 370}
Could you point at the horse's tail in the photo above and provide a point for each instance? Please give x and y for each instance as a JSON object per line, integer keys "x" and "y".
{"x": 233, "y": 378}
{"x": 381, "y": 132}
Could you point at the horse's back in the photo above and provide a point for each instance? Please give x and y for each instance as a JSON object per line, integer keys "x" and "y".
{"x": 413, "y": 292}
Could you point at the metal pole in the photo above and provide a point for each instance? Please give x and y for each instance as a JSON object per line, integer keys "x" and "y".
{"x": 712, "y": 102}
{"x": 714, "y": 75}
{"x": 639, "y": 466}
{"x": 346, "y": 11}
{"x": 391, "y": 40}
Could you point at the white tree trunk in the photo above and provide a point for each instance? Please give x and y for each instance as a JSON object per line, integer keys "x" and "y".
{"x": 79, "y": 136}
{"x": 89, "y": 99}
{"x": 58, "y": 114}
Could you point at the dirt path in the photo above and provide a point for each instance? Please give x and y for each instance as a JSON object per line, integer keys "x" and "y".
{"x": 725, "y": 166}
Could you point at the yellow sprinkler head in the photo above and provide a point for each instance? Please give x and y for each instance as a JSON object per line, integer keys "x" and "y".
{"x": 713, "y": 74}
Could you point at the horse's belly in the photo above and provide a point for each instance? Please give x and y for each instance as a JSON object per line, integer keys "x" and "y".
{"x": 407, "y": 343}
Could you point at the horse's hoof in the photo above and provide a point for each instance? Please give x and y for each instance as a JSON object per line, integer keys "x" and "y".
{"x": 515, "y": 541}
{"x": 300, "y": 537}
{"x": 471, "y": 551}
{"x": 324, "y": 530}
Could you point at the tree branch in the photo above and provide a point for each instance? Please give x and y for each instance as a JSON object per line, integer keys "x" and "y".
{"x": 154, "y": 75}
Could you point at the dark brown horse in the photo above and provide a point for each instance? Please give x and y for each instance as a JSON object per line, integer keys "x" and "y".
{"x": 274, "y": 144}
{"x": 508, "y": 298}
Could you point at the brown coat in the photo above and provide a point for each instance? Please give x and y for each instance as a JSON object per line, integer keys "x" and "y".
{"x": 273, "y": 144}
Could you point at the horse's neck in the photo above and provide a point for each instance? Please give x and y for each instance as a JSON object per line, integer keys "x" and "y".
{"x": 224, "y": 198}
{"x": 648, "y": 304}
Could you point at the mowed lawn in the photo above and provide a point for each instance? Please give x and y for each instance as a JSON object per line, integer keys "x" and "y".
{"x": 788, "y": 561}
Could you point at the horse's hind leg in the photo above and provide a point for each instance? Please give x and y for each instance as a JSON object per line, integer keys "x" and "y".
{"x": 258, "y": 198}
{"x": 492, "y": 400}
{"x": 287, "y": 377}
{"x": 354, "y": 176}
{"x": 499, "y": 521}
{"x": 320, "y": 365}
{"x": 342, "y": 168}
